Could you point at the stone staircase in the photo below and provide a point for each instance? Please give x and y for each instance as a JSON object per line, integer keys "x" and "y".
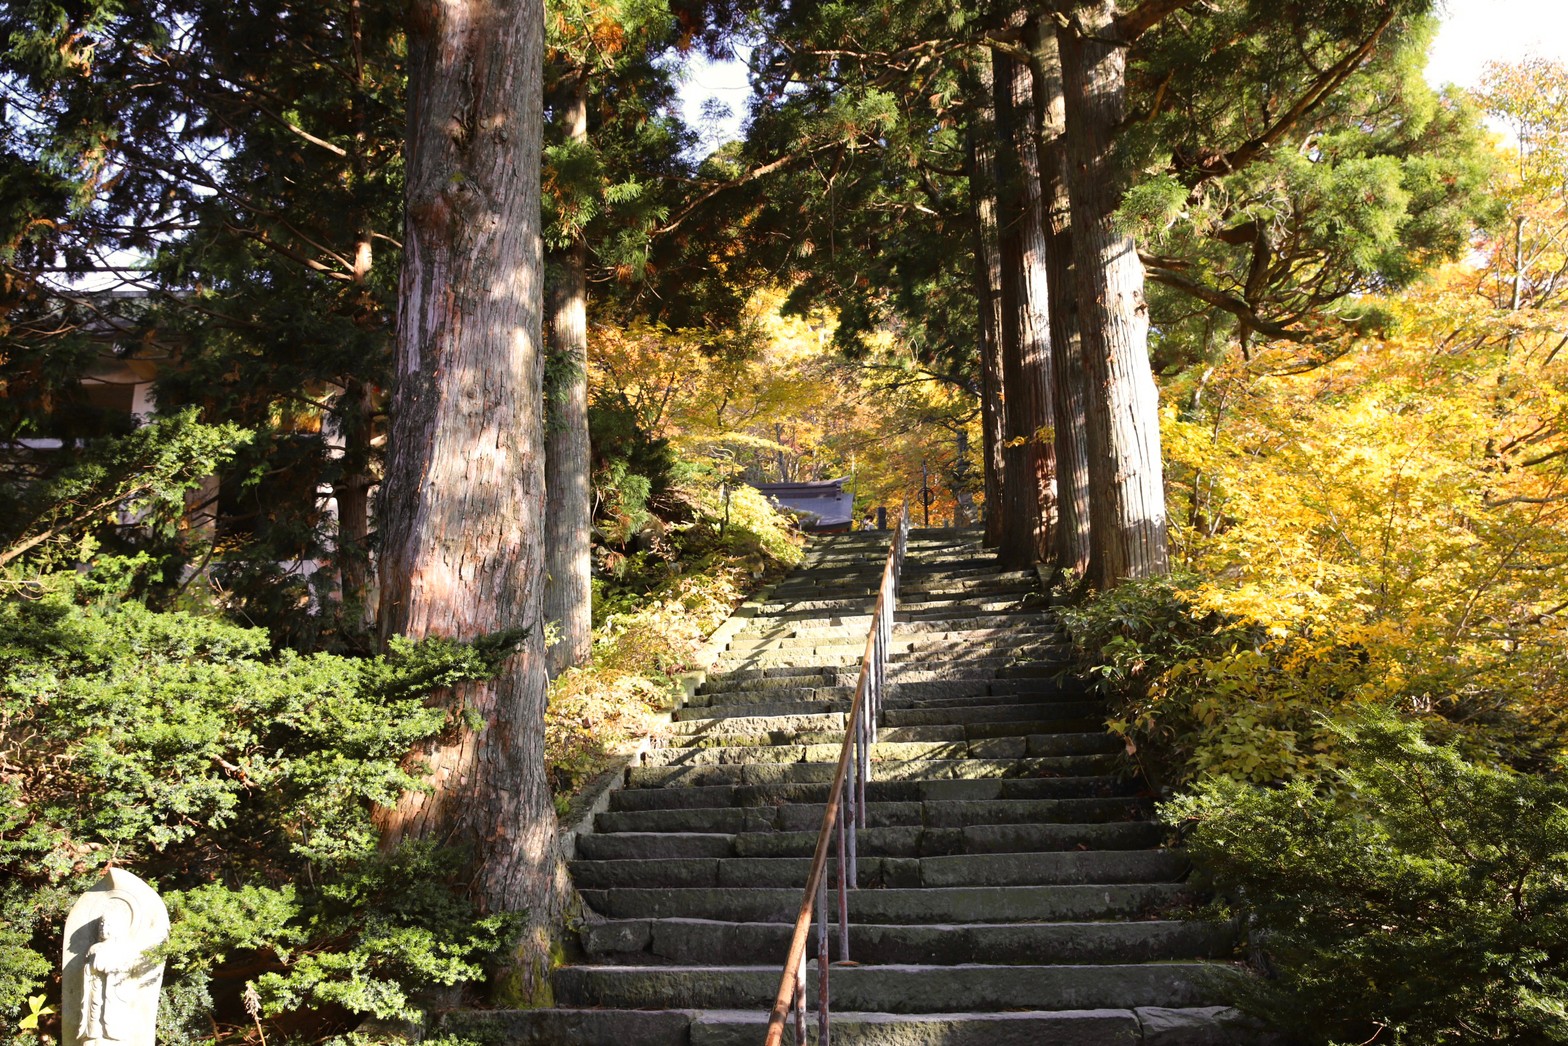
{"x": 1013, "y": 887}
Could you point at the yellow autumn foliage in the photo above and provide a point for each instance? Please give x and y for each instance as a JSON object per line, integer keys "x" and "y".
{"x": 1391, "y": 528}
{"x": 773, "y": 400}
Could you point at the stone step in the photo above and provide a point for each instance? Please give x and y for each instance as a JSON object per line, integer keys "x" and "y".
{"x": 848, "y": 656}
{"x": 1143, "y": 1026}
{"x": 1004, "y": 869}
{"x": 829, "y": 729}
{"x": 887, "y": 770}
{"x": 929, "y": 605}
{"x": 912, "y": 621}
{"x": 938, "y": 814}
{"x": 952, "y": 904}
{"x": 926, "y": 943}
{"x": 902, "y": 692}
{"x": 928, "y": 714}
{"x": 984, "y": 626}
{"x": 769, "y": 751}
{"x": 866, "y": 586}
{"x": 896, "y": 841}
{"x": 1015, "y": 664}
{"x": 1019, "y": 642}
{"x": 877, "y": 791}
{"x": 902, "y": 988}
{"x": 906, "y": 712}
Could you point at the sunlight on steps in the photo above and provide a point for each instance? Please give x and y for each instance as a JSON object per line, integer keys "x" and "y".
{"x": 1013, "y": 886}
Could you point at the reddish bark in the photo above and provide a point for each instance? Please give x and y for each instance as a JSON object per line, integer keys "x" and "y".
{"x": 463, "y": 497}
{"x": 1127, "y": 504}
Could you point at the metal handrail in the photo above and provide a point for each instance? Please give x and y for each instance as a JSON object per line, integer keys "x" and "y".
{"x": 849, "y": 792}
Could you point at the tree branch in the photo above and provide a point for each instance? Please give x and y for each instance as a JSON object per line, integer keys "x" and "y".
{"x": 1133, "y": 24}
{"x": 1321, "y": 88}
{"x": 734, "y": 183}
{"x": 1219, "y": 299}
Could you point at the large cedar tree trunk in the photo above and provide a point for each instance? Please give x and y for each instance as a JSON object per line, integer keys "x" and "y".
{"x": 1029, "y": 472}
{"x": 1067, "y": 378}
{"x": 988, "y": 275}
{"x": 462, "y": 502}
{"x": 568, "y": 591}
{"x": 1127, "y": 497}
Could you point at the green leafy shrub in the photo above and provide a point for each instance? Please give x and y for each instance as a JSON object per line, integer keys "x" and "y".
{"x": 128, "y": 489}
{"x": 1419, "y": 898}
{"x": 1195, "y": 690}
{"x": 630, "y": 469}
{"x": 240, "y": 781}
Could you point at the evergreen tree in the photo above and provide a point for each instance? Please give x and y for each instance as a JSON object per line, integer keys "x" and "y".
{"x": 463, "y": 501}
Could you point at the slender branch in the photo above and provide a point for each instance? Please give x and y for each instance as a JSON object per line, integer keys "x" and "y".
{"x": 744, "y": 179}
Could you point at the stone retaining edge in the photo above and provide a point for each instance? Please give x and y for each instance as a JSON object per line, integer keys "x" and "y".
{"x": 594, "y": 799}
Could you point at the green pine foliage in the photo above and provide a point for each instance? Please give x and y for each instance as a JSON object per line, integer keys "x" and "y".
{"x": 240, "y": 781}
{"x": 1418, "y": 899}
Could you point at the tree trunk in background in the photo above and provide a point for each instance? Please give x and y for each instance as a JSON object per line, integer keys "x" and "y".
{"x": 1067, "y": 378}
{"x": 463, "y": 497}
{"x": 988, "y": 275}
{"x": 352, "y": 493}
{"x": 568, "y": 592}
{"x": 1029, "y": 472}
{"x": 1127, "y": 506}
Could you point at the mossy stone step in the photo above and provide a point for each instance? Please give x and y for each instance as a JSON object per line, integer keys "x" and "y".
{"x": 927, "y": 943}
{"x": 805, "y": 817}
{"x": 770, "y": 751}
{"x": 881, "y": 841}
{"x": 1140, "y": 1026}
{"x": 987, "y": 789}
{"x": 1144, "y": 1026}
{"x": 887, "y": 770}
{"x": 1005, "y": 869}
{"x": 904, "y": 988}
{"x": 953, "y": 904}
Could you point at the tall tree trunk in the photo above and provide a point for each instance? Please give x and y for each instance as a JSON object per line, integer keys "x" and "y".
{"x": 1029, "y": 472}
{"x": 988, "y": 276}
{"x": 463, "y": 497}
{"x": 1127, "y": 507}
{"x": 1067, "y": 378}
{"x": 568, "y": 591}
{"x": 357, "y": 407}
{"x": 356, "y": 416}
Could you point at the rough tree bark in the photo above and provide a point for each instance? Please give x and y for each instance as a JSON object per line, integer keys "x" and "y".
{"x": 568, "y": 591}
{"x": 988, "y": 276}
{"x": 1029, "y": 472}
{"x": 1127, "y": 503}
{"x": 1067, "y": 377}
{"x": 461, "y": 503}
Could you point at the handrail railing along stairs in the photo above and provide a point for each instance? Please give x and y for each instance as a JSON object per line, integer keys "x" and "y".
{"x": 847, "y": 793}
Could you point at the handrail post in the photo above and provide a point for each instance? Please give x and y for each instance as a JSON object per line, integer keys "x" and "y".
{"x": 823, "y": 964}
{"x": 800, "y": 1002}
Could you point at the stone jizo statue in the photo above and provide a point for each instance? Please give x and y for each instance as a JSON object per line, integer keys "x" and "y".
{"x": 110, "y": 989}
